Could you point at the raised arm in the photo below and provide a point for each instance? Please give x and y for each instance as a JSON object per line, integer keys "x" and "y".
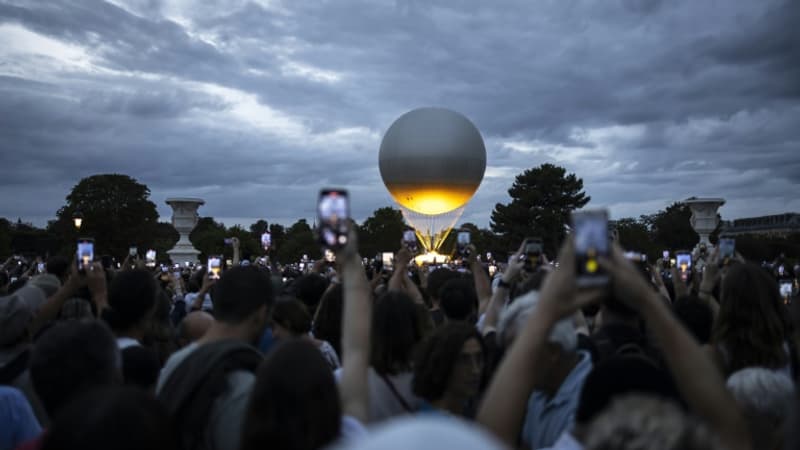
{"x": 504, "y": 405}
{"x": 698, "y": 379}
{"x": 510, "y": 275}
{"x": 483, "y": 286}
{"x": 356, "y": 329}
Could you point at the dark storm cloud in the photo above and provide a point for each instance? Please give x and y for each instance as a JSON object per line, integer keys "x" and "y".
{"x": 255, "y": 105}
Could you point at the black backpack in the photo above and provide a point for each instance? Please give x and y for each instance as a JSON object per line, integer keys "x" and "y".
{"x": 192, "y": 388}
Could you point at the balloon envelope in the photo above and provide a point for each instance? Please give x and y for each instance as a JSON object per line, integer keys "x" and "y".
{"x": 432, "y": 160}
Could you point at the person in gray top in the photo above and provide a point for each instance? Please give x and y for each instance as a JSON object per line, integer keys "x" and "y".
{"x": 205, "y": 418}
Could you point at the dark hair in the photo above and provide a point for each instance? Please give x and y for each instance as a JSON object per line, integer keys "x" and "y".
{"x": 160, "y": 335}
{"x": 114, "y": 417}
{"x": 696, "y": 316}
{"x": 292, "y": 315}
{"x": 131, "y": 297}
{"x": 437, "y": 356}
{"x": 71, "y": 358}
{"x": 309, "y": 289}
{"x": 620, "y": 375}
{"x": 239, "y": 293}
{"x": 395, "y": 333}
{"x": 752, "y": 325}
{"x": 328, "y": 323}
{"x": 295, "y": 403}
{"x": 437, "y": 279}
{"x": 58, "y": 266}
{"x": 458, "y": 299}
{"x": 140, "y": 366}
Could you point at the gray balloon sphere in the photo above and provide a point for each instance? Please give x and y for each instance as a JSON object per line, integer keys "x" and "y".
{"x": 432, "y": 160}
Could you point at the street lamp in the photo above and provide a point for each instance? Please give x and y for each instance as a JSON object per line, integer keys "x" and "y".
{"x": 77, "y": 219}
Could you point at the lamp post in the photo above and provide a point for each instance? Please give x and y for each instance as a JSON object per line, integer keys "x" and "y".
{"x": 77, "y": 219}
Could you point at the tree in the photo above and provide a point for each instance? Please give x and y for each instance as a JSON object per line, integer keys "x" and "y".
{"x": 299, "y": 240}
{"x": 542, "y": 199}
{"x": 117, "y": 212}
{"x": 671, "y": 229}
{"x": 634, "y": 236}
{"x": 208, "y": 237}
{"x": 381, "y": 232}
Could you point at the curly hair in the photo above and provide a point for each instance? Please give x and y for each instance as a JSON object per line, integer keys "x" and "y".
{"x": 437, "y": 356}
{"x": 752, "y": 326}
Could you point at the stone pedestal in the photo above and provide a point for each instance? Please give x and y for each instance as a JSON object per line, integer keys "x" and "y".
{"x": 184, "y": 219}
{"x": 704, "y": 218}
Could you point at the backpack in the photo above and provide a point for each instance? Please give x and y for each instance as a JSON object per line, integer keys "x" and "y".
{"x": 190, "y": 391}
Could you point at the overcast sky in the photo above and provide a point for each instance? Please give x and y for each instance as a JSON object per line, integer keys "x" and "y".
{"x": 255, "y": 105}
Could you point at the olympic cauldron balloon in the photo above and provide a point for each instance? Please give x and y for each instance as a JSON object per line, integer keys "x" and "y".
{"x": 432, "y": 160}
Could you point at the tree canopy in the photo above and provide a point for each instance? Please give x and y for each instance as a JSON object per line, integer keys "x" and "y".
{"x": 117, "y": 212}
{"x": 542, "y": 199}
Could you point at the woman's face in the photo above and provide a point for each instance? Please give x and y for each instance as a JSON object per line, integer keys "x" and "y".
{"x": 465, "y": 379}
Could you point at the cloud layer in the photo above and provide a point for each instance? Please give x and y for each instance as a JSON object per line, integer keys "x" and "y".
{"x": 255, "y": 105}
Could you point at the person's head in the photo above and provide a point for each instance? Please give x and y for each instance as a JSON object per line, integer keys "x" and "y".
{"x": 636, "y": 422}
{"x": 560, "y": 352}
{"x": 328, "y": 321}
{"x": 71, "y": 358}
{"x": 48, "y": 283}
{"x": 309, "y": 289}
{"x": 696, "y": 316}
{"x": 765, "y": 397}
{"x": 193, "y": 327}
{"x": 140, "y": 367}
{"x": 131, "y": 301}
{"x": 436, "y": 280}
{"x": 242, "y": 298}
{"x": 458, "y": 300}
{"x": 295, "y": 402}
{"x": 752, "y": 324}
{"x": 395, "y": 333}
{"x": 76, "y": 308}
{"x": 123, "y": 418}
{"x": 15, "y": 316}
{"x": 449, "y": 365}
{"x": 290, "y": 319}
{"x": 616, "y": 377}
{"x": 59, "y": 266}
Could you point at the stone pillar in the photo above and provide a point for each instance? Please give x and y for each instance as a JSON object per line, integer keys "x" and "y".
{"x": 704, "y": 218}
{"x": 184, "y": 219}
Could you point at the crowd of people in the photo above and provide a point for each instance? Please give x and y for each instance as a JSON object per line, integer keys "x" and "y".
{"x": 345, "y": 355}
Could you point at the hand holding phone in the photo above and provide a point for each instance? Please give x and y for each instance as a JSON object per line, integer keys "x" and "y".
{"x": 462, "y": 243}
{"x": 590, "y": 230}
{"x": 410, "y": 241}
{"x": 214, "y": 267}
{"x": 85, "y": 254}
{"x": 333, "y": 210}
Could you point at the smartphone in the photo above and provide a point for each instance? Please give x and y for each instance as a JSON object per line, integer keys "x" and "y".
{"x": 410, "y": 241}
{"x": 164, "y": 269}
{"x": 665, "y": 256}
{"x": 781, "y": 270}
{"x": 533, "y": 253}
{"x": 590, "y": 230}
{"x": 333, "y": 210}
{"x": 387, "y": 258}
{"x": 228, "y": 241}
{"x": 150, "y": 258}
{"x": 330, "y": 256}
{"x": 786, "y": 288}
{"x": 462, "y": 243}
{"x": 492, "y": 270}
{"x": 85, "y": 253}
{"x": 684, "y": 262}
{"x": 214, "y": 266}
{"x": 727, "y": 249}
{"x": 40, "y": 268}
